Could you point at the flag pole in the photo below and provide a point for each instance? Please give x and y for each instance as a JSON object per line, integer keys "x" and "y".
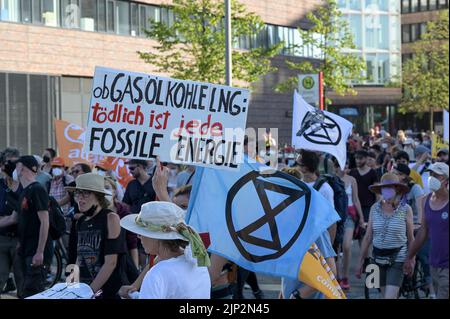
{"x": 228, "y": 61}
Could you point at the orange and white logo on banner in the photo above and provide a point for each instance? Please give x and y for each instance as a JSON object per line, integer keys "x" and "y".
{"x": 70, "y": 139}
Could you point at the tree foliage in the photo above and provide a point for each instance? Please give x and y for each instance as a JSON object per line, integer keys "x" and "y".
{"x": 193, "y": 47}
{"x": 425, "y": 76}
{"x": 330, "y": 34}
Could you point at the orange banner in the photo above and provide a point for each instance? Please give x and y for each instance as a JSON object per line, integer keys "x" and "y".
{"x": 315, "y": 272}
{"x": 70, "y": 139}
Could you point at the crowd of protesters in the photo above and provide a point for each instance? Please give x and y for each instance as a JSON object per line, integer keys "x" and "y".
{"x": 123, "y": 239}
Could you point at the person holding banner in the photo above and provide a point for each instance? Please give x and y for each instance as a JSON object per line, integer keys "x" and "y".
{"x": 390, "y": 229}
{"x": 101, "y": 244}
{"x": 181, "y": 271}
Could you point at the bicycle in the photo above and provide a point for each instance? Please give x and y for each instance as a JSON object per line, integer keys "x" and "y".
{"x": 412, "y": 285}
{"x": 59, "y": 262}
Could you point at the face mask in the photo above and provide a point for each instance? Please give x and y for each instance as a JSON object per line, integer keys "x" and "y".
{"x": 15, "y": 176}
{"x": 46, "y": 159}
{"x": 57, "y": 172}
{"x": 109, "y": 198}
{"x": 434, "y": 184}
{"x": 101, "y": 172}
{"x": 9, "y": 168}
{"x": 90, "y": 211}
{"x": 384, "y": 145}
{"x": 388, "y": 193}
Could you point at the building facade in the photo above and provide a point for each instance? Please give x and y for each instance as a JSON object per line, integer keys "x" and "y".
{"x": 415, "y": 16}
{"x": 49, "y": 49}
{"x": 375, "y": 25}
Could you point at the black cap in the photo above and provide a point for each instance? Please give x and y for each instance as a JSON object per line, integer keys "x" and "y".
{"x": 402, "y": 168}
{"x": 137, "y": 162}
{"x": 29, "y": 162}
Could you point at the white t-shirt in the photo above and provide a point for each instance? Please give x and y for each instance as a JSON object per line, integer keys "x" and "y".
{"x": 176, "y": 278}
{"x": 326, "y": 191}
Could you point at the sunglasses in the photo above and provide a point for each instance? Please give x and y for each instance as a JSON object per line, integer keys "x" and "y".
{"x": 82, "y": 193}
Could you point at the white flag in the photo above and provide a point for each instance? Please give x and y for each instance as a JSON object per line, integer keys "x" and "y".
{"x": 445, "y": 114}
{"x": 321, "y": 131}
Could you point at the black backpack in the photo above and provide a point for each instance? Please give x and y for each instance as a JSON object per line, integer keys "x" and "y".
{"x": 340, "y": 196}
{"x": 57, "y": 226}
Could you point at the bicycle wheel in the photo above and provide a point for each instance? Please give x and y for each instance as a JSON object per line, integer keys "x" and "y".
{"x": 55, "y": 269}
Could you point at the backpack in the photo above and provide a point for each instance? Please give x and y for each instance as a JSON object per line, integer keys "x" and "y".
{"x": 340, "y": 196}
{"x": 57, "y": 226}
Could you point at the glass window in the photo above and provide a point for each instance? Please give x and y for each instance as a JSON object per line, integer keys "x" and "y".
{"x": 395, "y": 67}
{"x": 37, "y": 11}
{"x": 70, "y": 13}
{"x": 405, "y": 6}
{"x": 414, "y": 32}
{"x": 377, "y": 5}
{"x": 433, "y": 4}
{"x": 443, "y": 4}
{"x": 394, "y": 33}
{"x": 3, "y": 119}
{"x": 18, "y": 114}
{"x": 414, "y": 5}
{"x": 101, "y": 15}
{"x": 123, "y": 17}
{"x": 39, "y": 113}
{"x": 88, "y": 15}
{"x": 10, "y": 10}
{"x": 355, "y": 26}
{"x": 423, "y": 5}
{"x": 354, "y": 5}
{"x": 110, "y": 16}
{"x": 423, "y": 29}
{"x": 376, "y": 34}
{"x": 50, "y": 13}
{"x": 406, "y": 33}
{"x": 134, "y": 19}
{"x": 371, "y": 68}
{"x": 383, "y": 68}
{"x": 394, "y": 6}
{"x": 26, "y": 11}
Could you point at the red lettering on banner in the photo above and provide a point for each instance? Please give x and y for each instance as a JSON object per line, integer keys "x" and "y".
{"x": 119, "y": 114}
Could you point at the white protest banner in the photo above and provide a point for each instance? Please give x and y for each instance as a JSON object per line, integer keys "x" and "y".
{"x": 136, "y": 115}
{"x": 66, "y": 291}
{"x": 322, "y": 131}
{"x": 445, "y": 115}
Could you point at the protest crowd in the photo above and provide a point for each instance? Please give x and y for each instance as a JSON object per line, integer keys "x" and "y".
{"x": 132, "y": 241}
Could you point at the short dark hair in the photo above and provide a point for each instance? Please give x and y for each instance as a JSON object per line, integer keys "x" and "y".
{"x": 376, "y": 147}
{"x": 372, "y": 155}
{"x": 10, "y": 152}
{"x": 143, "y": 163}
{"x": 85, "y": 168}
{"x": 310, "y": 160}
{"x": 401, "y": 155}
{"x": 361, "y": 153}
{"x": 51, "y": 151}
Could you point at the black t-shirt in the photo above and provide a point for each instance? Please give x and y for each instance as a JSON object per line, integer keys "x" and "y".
{"x": 9, "y": 202}
{"x": 137, "y": 194}
{"x": 366, "y": 197}
{"x": 33, "y": 199}
{"x": 92, "y": 247}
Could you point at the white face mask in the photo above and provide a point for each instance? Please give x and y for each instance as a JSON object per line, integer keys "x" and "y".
{"x": 434, "y": 184}
{"x": 109, "y": 198}
{"x": 101, "y": 173}
{"x": 57, "y": 172}
{"x": 384, "y": 145}
{"x": 15, "y": 176}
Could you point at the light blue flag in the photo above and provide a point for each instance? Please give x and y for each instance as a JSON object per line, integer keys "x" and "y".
{"x": 262, "y": 222}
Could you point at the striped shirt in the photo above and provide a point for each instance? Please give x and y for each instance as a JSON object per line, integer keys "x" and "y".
{"x": 389, "y": 231}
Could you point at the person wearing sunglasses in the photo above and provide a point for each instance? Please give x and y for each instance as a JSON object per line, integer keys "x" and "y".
{"x": 100, "y": 241}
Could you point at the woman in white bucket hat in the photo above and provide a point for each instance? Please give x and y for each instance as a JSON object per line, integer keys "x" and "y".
{"x": 181, "y": 271}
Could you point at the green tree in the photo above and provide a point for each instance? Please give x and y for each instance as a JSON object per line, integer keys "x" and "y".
{"x": 331, "y": 35}
{"x": 425, "y": 75}
{"x": 193, "y": 47}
